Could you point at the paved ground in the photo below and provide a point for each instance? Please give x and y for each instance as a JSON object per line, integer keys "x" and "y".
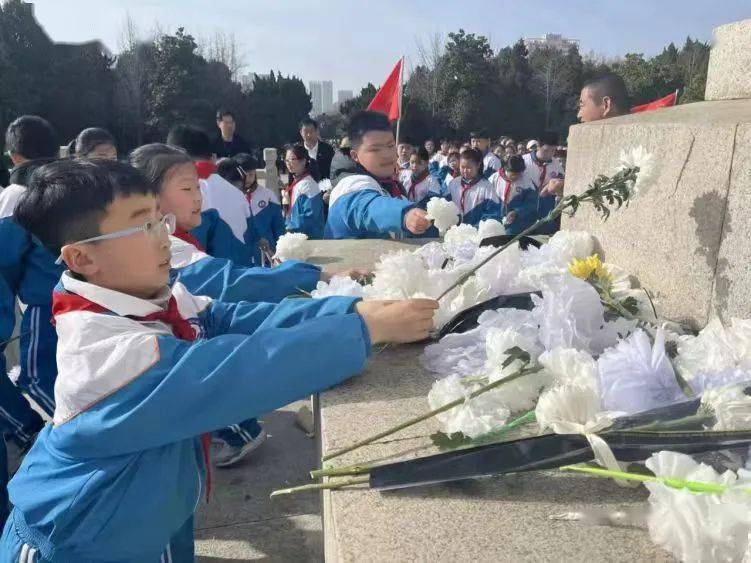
{"x": 241, "y": 523}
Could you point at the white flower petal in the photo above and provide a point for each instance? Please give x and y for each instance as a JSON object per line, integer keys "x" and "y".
{"x": 290, "y": 246}
{"x": 443, "y": 213}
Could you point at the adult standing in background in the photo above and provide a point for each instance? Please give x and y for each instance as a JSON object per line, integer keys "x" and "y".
{"x": 602, "y": 98}
{"x": 229, "y": 143}
{"x": 319, "y": 151}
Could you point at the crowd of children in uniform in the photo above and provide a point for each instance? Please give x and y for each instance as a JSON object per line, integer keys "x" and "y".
{"x": 152, "y": 327}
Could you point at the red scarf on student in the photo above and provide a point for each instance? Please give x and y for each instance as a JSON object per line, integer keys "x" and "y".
{"x": 205, "y": 168}
{"x": 416, "y": 180}
{"x": 506, "y": 194}
{"x": 466, "y": 186}
{"x": 181, "y": 328}
{"x": 291, "y": 189}
{"x": 543, "y": 166}
{"x": 190, "y": 239}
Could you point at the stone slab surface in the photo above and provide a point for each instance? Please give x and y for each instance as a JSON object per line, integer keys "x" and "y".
{"x": 348, "y": 254}
{"x": 671, "y": 238}
{"x": 496, "y": 519}
{"x": 729, "y": 62}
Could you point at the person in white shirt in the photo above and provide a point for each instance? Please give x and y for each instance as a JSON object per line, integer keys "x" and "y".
{"x": 319, "y": 151}
{"x": 480, "y": 140}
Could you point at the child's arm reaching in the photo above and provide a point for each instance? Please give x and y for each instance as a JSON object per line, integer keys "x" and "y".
{"x": 195, "y": 387}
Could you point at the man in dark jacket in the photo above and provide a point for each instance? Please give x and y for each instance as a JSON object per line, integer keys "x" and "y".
{"x": 320, "y": 151}
{"x": 229, "y": 143}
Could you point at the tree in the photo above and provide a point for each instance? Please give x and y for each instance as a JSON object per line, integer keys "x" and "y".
{"x": 276, "y": 105}
{"x": 359, "y": 102}
{"x": 554, "y": 77}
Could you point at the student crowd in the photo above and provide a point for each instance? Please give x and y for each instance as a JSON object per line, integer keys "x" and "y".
{"x": 156, "y": 327}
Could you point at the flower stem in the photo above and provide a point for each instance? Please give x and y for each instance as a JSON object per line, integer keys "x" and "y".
{"x": 448, "y": 406}
{"x": 329, "y": 485}
{"x": 693, "y": 486}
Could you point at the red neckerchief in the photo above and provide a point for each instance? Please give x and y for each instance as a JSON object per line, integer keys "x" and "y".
{"x": 190, "y": 239}
{"x": 466, "y": 186}
{"x": 181, "y": 328}
{"x": 507, "y": 188}
{"x": 205, "y": 168}
{"x": 543, "y": 166}
{"x": 291, "y": 189}
{"x": 415, "y": 180}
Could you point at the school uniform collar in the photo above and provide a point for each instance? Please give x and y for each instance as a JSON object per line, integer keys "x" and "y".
{"x": 393, "y": 187}
{"x": 205, "y": 168}
{"x": 119, "y": 303}
{"x": 313, "y": 151}
{"x": 537, "y": 161}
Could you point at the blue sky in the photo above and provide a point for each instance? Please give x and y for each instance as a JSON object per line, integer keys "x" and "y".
{"x": 352, "y": 42}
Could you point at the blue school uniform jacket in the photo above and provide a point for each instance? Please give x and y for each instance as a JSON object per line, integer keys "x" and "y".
{"x": 540, "y": 173}
{"x": 519, "y": 196}
{"x": 475, "y": 202}
{"x": 122, "y": 469}
{"x": 218, "y": 240}
{"x": 267, "y": 217}
{"x": 305, "y": 212}
{"x": 220, "y": 279}
{"x": 360, "y": 208}
{"x": 491, "y": 164}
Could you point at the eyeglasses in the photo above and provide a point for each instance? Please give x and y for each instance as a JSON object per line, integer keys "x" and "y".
{"x": 167, "y": 223}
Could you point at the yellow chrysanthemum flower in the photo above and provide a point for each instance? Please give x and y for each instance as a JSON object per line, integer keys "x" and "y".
{"x": 590, "y": 268}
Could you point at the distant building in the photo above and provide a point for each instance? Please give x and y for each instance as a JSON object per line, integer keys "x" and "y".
{"x": 344, "y": 95}
{"x": 550, "y": 40}
{"x": 316, "y": 96}
{"x": 327, "y": 96}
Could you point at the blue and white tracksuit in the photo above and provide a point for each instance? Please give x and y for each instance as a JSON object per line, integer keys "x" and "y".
{"x": 30, "y": 274}
{"x": 520, "y": 197}
{"x": 360, "y": 208}
{"x": 218, "y": 239}
{"x": 268, "y": 220}
{"x": 540, "y": 173}
{"x": 491, "y": 164}
{"x": 420, "y": 193}
{"x": 120, "y": 472}
{"x": 305, "y": 213}
{"x": 476, "y": 200}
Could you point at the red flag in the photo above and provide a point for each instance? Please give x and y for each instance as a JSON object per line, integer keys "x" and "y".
{"x": 387, "y": 99}
{"x": 667, "y": 101}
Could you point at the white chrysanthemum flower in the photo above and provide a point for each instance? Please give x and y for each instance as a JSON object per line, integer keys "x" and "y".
{"x": 468, "y": 294}
{"x": 730, "y": 405}
{"x": 568, "y": 366}
{"x": 466, "y": 353}
{"x": 490, "y": 228}
{"x": 500, "y": 276}
{"x": 339, "y": 285}
{"x": 571, "y": 408}
{"x": 712, "y": 351}
{"x": 472, "y": 418}
{"x": 637, "y": 376}
{"x": 570, "y": 313}
{"x": 443, "y": 213}
{"x": 291, "y": 246}
{"x": 697, "y": 527}
{"x": 461, "y": 242}
{"x": 433, "y": 254}
{"x": 567, "y": 245}
{"x": 398, "y": 275}
{"x": 645, "y": 162}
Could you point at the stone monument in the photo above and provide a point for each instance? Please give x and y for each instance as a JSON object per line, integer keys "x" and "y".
{"x": 689, "y": 239}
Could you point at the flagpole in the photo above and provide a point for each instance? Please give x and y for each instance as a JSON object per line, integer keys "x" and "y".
{"x": 401, "y": 90}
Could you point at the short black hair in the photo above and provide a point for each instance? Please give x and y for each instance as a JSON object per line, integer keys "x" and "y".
{"x": 228, "y": 169}
{"x": 514, "y": 163}
{"x": 67, "y": 200}
{"x": 245, "y": 161}
{"x": 612, "y": 86}
{"x": 548, "y": 138}
{"x": 21, "y": 174}
{"x": 155, "y": 160}
{"x": 308, "y": 121}
{"x": 422, "y": 154}
{"x": 222, "y": 112}
{"x": 474, "y": 155}
{"x": 194, "y": 140}
{"x": 31, "y": 137}
{"x": 90, "y": 138}
{"x": 479, "y": 134}
{"x": 362, "y": 122}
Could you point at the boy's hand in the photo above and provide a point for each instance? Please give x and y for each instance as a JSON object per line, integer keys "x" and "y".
{"x": 554, "y": 187}
{"x": 510, "y": 217}
{"x": 408, "y": 320}
{"x": 416, "y": 222}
